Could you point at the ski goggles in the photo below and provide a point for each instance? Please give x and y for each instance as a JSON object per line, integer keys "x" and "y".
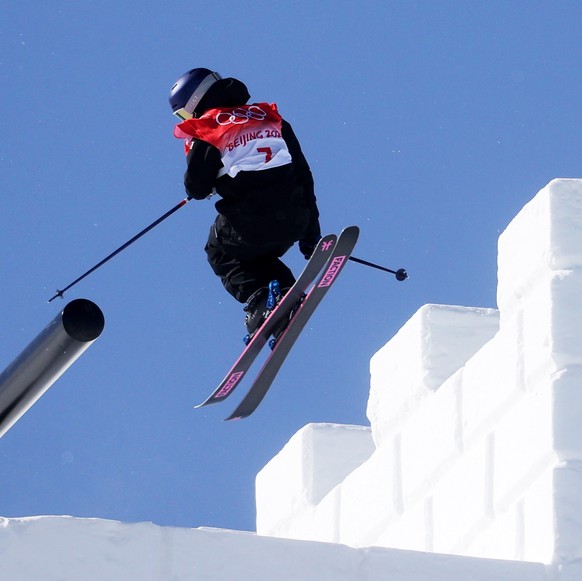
{"x": 187, "y": 111}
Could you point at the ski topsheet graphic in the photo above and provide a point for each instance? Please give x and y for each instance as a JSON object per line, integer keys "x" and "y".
{"x": 327, "y": 261}
{"x": 260, "y": 338}
{"x": 267, "y": 374}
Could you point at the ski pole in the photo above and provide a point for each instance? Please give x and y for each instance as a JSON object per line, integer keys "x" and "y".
{"x": 60, "y": 293}
{"x": 400, "y": 274}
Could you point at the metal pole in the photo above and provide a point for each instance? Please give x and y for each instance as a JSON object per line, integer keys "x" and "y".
{"x": 47, "y": 357}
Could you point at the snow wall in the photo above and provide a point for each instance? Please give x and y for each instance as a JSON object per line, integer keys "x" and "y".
{"x": 70, "y": 549}
{"x": 471, "y": 469}
{"x": 475, "y": 445}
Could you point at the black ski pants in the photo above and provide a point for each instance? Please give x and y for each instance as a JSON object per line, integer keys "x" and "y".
{"x": 245, "y": 268}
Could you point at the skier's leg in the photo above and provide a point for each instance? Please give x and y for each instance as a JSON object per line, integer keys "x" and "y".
{"x": 248, "y": 271}
{"x": 225, "y": 267}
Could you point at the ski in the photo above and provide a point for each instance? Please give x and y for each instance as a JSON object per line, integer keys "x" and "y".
{"x": 338, "y": 259}
{"x": 259, "y": 339}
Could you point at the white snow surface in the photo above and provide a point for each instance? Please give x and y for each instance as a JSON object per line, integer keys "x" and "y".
{"x": 470, "y": 470}
{"x": 71, "y": 549}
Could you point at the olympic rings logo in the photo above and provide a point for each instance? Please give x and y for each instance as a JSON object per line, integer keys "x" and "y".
{"x": 240, "y": 115}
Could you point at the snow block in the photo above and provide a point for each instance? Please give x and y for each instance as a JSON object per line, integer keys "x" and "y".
{"x": 311, "y": 464}
{"x": 566, "y": 392}
{"x": 429, "y": 348}
{"x": 568, "y": 512}
{"x": 545, "y": 236}
{"x": 72, "y": 549}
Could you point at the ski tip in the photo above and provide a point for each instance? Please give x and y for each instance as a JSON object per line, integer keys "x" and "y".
{"x": 209, "y": 401}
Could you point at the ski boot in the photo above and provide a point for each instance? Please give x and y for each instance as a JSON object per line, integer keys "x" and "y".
{"x": 259, "y": 306}
{"x": 280, "y": 328}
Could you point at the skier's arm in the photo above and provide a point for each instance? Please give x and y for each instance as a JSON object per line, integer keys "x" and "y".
{"x": 203, "y": 165}
{"x": 306, "y": 179}
{"x": 299, "y": 162}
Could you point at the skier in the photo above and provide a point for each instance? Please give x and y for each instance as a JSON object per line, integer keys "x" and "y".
{"x": 251, "y": 158}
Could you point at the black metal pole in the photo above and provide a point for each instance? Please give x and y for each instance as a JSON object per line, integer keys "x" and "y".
{"x": 60, "y": 293}
{"x": 400, "y": 274}
{"x": 46, "y": 358}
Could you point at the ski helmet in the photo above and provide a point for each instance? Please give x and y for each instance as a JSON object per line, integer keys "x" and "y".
{"x": 188, "y": 91}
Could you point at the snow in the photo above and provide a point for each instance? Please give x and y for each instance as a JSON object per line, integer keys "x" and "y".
{"x": 71, "y": 549}
{"x": 474, "y": 418}
{"x": 436, "y": 342}
{"x": 471, "y": 468}
{"x": 309, "y": 467}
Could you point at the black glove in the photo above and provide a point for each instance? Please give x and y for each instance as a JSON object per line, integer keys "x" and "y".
{"x": 306, "y": 248}
{"x": 312, "y": 236}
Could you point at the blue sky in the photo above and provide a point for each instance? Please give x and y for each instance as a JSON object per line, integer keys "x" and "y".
{"x": 428, "y": 124}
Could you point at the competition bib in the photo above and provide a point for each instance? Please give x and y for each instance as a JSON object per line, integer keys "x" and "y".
{"x": 248, "y": 137}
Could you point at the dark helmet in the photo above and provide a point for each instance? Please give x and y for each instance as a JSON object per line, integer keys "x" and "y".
{"x": 188, "y": 91}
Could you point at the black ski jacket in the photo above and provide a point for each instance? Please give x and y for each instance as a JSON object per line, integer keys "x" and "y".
{"x": 272, "y": 205}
